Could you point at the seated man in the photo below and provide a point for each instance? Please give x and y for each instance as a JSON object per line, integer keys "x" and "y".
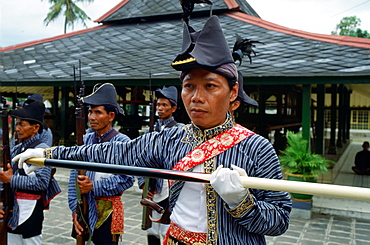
{"x": 362, "y": 160}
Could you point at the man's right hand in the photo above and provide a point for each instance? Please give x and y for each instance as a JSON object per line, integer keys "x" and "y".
{"x": 29, "y": 153}
{"x": 85, "y": 184}
{"x": 78, "y": 228}
{"x": 2, "y": 213}
{"x": 149, "y": 195}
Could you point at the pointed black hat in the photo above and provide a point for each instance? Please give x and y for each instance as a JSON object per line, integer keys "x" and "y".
{"x": 169, "y": 93}
{"x": 104, "y": 95}
{"x": 242, "y": 95}
{"x": 34, "y": 97}
{"x": 205, "y": 49}
{"x": 31, "y": 112}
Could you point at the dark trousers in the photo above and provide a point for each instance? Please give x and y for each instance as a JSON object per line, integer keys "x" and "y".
{"x": 103, "y": 235}
{"x": 33, "y": 225}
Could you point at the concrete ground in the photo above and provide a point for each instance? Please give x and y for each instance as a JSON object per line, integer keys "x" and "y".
{"x": 333, "y": 221}
{"x": 320, "y": 229}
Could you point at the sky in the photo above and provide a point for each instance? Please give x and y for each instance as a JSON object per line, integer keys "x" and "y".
{"x": 22, "y": 20}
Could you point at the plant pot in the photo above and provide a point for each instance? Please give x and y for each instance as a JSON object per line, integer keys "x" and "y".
{"x": 299, "y": 177}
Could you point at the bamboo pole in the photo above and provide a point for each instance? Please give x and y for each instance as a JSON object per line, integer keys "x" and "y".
{"x": 340, "y": 191}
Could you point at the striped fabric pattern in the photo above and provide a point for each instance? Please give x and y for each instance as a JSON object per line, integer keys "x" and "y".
{"x": 88, "y": 138}
{"x": 269, "y": 215}
{"x": 39, "y": 182}
{"x": 160, "y": 125}
{"x": 112, "y": 186}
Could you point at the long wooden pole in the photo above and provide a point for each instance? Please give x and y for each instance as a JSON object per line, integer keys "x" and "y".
{"x": 341, "y": 191}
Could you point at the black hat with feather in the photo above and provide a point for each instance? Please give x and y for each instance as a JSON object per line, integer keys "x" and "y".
{"x": 205, "y": 49}
{"x": 243, "y": 47}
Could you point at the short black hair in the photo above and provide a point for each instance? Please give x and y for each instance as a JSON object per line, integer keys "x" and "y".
{"x": 32, "y": 122}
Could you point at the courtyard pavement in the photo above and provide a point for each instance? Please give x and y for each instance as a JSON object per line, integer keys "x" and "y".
{"x": 319, "y": 230}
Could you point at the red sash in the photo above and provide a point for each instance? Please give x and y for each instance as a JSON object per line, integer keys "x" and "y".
{"x": 200, "y": 154}
{"x": 117, "y": 225}
{"x": 213, "y": 147}
{"x": 184, "y": 236}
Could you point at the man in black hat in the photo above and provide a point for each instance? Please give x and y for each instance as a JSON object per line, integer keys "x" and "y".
{"x": 32, "y": 192}
{"x": 103, "y": 190}
{"x": 46, "y": 134}
{"x": 166, "y": 105}
{"x": 224, "y": 211}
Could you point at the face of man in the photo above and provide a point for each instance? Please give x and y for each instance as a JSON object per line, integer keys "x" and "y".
{"x": 25, "y": 130}
{"x": 207, "y": 96}
{"x": 164, "y": 109}
{"x": 100, "y": 121}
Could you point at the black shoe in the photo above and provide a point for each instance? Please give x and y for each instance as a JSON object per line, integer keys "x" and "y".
{"x": 153, "y": 240}
{"x": 357, "y": 171}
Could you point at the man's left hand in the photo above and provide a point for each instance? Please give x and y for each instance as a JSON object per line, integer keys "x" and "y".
{"x": 227, "y": 184}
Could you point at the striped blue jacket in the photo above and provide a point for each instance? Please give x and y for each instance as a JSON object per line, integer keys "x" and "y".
{"x": 268, "y": 212}
{"x": 40, "y": 182}
{"x": 112, "y": 186}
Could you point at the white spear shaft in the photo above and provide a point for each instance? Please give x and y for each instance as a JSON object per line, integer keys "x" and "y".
{"x": 341, "y": 191}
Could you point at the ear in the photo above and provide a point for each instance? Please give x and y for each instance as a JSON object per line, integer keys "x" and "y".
{"x": 234, "y": 92}
{"x": 234, "y": 105}
{"x": 36, "y": 129}
{"x": 111, "y": 115}
{"x": 174, "y": 108}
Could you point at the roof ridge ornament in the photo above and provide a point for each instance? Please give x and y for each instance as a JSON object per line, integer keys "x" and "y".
{"x": 188, "y": 7}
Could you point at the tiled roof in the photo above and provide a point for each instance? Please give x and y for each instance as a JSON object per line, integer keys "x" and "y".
{"x": 129, "y": 52}
{"x": 128, "y": 9}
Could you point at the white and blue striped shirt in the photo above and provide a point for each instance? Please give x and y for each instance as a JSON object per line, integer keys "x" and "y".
{"x": 269, "y": 214}
{"x": 114, "y": 185}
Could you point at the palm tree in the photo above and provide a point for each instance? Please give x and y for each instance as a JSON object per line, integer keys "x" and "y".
{"x": 69, "y": 9}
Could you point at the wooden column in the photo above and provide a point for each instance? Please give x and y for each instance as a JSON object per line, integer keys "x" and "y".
{"x": 55, "y": 109}
{"x": 333, "y": 119}
{"x": 63, "y": 115}
{"x": 320, "y": 120}
{"x": 348, "y": 114}
{"x": 340, "y": 116}
{"x": 306, "y": 112}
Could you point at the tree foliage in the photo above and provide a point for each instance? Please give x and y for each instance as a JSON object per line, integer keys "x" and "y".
{"x": 71, "y": 12}
{"x": 348, "y": 26}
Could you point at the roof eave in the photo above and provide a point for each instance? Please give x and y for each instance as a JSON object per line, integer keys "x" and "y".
{"x": 335, "y": 39}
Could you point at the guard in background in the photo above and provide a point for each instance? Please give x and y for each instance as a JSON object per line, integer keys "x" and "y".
{"x": 158, "y": 190}
{"x": 103, "y": 190}
{"x": 362, "y": 160}
{"x": 33, "y": 192}
{"x": 46, "y": 134}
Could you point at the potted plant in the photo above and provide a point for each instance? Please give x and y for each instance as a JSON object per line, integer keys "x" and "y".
{"x": 300, "y": 164}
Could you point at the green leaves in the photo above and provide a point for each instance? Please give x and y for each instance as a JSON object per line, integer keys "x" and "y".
{"x": 348, "y": 26}
{"x": 67, "y": 8}
{"x": 298, "y": 159}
